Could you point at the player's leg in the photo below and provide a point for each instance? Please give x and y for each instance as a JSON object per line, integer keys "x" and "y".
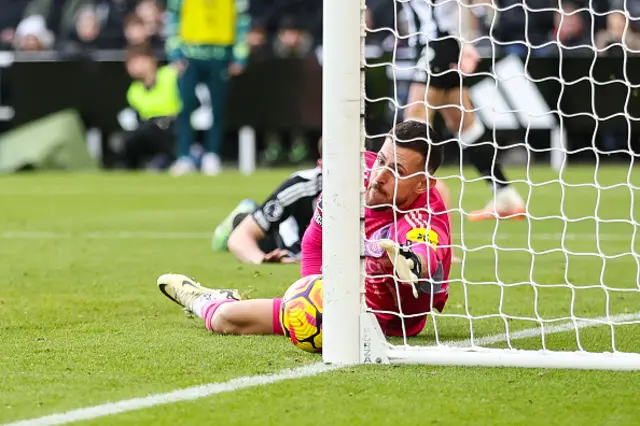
{"x": 187, "y": 82}
{"x": 476, "y": 147}
{"x": 152, "y": 144}
{"x": 223, "y": 311}
{"x": 258, "y": 316}
{"x": 422, "y": 104}
{"x": 217, "y": 77}
{"x": 133, "y": 151}
{"x": 226, "y": 227}
{"x": 428, "y": 94}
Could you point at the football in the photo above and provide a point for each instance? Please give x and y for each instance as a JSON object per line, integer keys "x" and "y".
{"x": 301, "y": 313}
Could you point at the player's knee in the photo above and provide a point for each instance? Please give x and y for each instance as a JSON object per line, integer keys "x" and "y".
{"x": 452, "y": 119}
{"x": 416, "y": 111}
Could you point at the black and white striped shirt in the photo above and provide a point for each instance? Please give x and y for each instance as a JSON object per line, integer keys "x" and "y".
{"x": 289, "y": 209}
{"x": 429, "y": 19}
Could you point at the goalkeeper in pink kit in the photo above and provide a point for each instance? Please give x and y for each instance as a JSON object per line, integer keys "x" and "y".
{"x": 410, "y": 242}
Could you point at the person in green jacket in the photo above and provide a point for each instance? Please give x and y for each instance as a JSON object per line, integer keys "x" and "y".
{"x": 154, "y": 96}
{"x": 207, "y": 43}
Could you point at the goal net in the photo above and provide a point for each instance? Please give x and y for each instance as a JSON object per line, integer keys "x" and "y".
{"x": 559, "y": 288}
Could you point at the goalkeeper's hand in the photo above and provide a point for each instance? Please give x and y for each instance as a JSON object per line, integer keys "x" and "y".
{"x": 407, "y": 263}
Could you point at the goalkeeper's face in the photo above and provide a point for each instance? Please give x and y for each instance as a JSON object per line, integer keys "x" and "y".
{"x": 397, "y": 178}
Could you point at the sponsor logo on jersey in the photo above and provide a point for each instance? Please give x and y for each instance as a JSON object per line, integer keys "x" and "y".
{"x": 422, "y": 235}
{"x": 273, "y": 210}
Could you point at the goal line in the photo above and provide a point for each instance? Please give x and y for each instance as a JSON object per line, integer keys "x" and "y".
{"x": 477, "y": 352}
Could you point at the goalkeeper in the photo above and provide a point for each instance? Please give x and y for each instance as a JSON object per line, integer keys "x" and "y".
{"x": 395, "y": 176}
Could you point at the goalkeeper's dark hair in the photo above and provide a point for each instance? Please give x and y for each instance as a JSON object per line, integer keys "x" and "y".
{"x": 418, "y": 136}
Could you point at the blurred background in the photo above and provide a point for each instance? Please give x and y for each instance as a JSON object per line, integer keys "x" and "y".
{"x": 107, "y": 83}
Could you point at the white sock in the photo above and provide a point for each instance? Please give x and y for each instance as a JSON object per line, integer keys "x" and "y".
{"x": 471, "y": 135}
{"x": 201, "y": 302}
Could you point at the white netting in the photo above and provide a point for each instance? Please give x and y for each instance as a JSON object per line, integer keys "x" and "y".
{"x": 565, "y": 278}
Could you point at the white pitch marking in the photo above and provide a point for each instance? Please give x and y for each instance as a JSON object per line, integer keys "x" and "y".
{"x": 548, "y": 329}
{"x": 186, "y": 394}
{"x": 197, "y": 392}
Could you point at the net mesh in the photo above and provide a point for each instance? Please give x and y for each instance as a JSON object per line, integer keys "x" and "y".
{"x": 567, "y": 276}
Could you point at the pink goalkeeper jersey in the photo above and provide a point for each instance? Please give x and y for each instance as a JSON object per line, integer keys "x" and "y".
{"x": 425, "y": 228}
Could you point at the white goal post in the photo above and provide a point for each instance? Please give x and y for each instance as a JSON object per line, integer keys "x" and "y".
{"x": 602, "y": 328}
{"x": 342, "y": 146}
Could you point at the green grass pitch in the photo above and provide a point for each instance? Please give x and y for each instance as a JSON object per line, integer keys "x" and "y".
{"x": 82, "y": 323}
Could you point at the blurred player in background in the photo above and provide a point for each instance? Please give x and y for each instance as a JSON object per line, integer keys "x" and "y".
{"x": 438, "y": 81}
{"x": 273, "y": 231}
{"x": 207, "y": 41}
{"x": 421, "y": 257}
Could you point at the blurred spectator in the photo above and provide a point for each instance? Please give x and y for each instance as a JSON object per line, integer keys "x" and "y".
{"x": 134, "y": 30}
{"x": 59, "y": 15}
{"x": 151, "y": 16}
{"x": 548, "y": 26}
{"x": 85, "y": 37}
{"x": 207, "y": 41}
{"x": 258, "y": 40}
{"x": 305, "y": 15}
{"x": 292, "y": 40}
{"x": 87, "y": 26}
{"x": 570, "y": 26}
{"x": 32, "y": 35}
{"x": 615, "y": 28}
{"x": 10, "y": 16}
{"x": 155, "y": 98}
{"x": 112, "y": 14}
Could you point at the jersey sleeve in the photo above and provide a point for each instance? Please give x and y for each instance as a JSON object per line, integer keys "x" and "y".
{"x": 311, "y": 259}
{"x": 419, "y": 231}
{"x": 280, "y": 205}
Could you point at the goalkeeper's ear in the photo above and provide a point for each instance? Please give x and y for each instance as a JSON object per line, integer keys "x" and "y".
{"x": 423, "y": 185}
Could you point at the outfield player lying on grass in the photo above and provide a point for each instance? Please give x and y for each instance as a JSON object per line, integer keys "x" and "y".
{"x": 422, "y": 258}
{"x": 273, "y": 231}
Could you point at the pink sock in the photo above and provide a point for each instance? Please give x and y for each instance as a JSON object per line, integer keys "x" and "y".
{"x": 209, "y": 309}
{"x": 277, "y": 325}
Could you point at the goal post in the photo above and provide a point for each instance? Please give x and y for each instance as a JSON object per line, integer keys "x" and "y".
{"x": 342, "y": 145}
{"x": 559, "y": 289}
